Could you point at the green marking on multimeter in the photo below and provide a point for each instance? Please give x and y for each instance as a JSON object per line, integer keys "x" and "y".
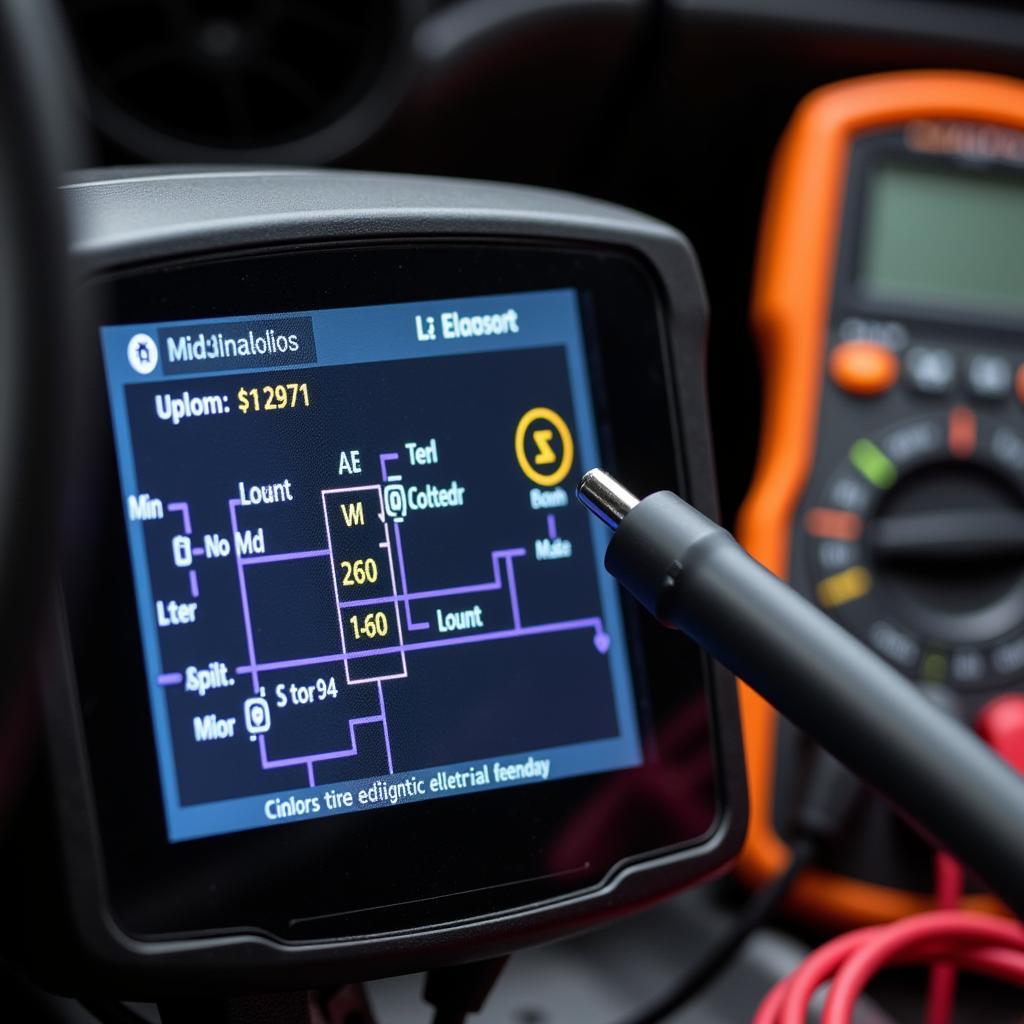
{"x": 873, "y": 463}
{"x": 933, "y": 668}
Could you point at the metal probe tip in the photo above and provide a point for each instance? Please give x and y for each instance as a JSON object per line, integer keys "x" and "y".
{"x": 603, "y": 495}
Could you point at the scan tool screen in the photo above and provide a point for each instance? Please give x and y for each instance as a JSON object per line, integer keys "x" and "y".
{"x": 361, "y": 577}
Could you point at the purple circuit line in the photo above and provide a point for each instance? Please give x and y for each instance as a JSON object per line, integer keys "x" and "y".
{"x": 182, "y": 507}
{"x": 552, "y": 527}
{"x": 198, "y": 552}
{"x": 175, "y": 678}
{"x": 568, "y": 625}
{"x": 473, "y": 588}
{"x": 330, "y": 755}
{"x": 502, "y": 634}
{"x": 270, "y": 666}
{"x": 310, "y": 759}
{"x": 286, "y": 556}
{"x": 394, "y": 596}
{"x": 400, "y": 555}
{"x": 384, "y": 726}
{"x": 233, "y": 504}
{"x": 518, "y": 631}
{"x": 385, "y": 458}
{"x": 513, "y": 594}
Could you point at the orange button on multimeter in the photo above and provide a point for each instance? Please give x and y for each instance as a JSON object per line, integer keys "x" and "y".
{"x": 863, "y": 367}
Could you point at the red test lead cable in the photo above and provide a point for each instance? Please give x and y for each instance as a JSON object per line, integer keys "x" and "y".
{"x": 949, "y": 888}
{"x": 959, "y": 934}
{"x": 1001, "y": 725}
{"x": 972, "y": 941}
{"x": 950, "y": 940}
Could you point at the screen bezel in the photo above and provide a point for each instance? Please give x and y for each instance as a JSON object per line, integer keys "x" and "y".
{"x": 199, "y": 886}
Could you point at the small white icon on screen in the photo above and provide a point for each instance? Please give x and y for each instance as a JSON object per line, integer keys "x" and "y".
{"x": 181, "y": 547}
{"x": 257, "y": 715}
{"x": 143, "y": 354}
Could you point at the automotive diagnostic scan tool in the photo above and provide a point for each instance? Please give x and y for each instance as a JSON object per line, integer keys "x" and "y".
{"x": 890, "y": 487}
{"x": 358, "y": 696}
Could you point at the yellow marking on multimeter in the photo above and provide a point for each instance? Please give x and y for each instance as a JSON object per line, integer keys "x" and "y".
{"x": 844, "y": 587}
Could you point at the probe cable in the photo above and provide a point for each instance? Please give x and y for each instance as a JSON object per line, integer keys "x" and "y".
{"x": 692, "y": 575}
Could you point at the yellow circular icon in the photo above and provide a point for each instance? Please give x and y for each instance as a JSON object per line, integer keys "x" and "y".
{"x": 541, "y": 452}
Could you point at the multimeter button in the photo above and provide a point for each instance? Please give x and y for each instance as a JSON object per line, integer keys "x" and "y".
{"x": 863, "y": 367}
{"x": 931, "y": 371}
{"x": 989, "y": 376}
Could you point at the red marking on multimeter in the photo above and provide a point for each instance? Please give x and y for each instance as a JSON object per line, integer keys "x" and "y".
{"x": 801, "y": 267}
{"x": 963, "y": 432}
{"x": 833, "y": 523}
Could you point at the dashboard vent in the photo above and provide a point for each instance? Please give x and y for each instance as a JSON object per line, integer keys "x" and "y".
{"x": 181, "y": 79}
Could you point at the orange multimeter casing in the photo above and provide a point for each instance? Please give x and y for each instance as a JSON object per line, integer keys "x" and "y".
{"x": 792, "y": 312}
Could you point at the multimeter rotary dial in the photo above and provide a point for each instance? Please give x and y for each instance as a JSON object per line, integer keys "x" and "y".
{"x": 916, "y": 544}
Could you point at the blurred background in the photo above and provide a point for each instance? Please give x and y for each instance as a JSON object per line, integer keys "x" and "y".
{"x": 673, "y": 107}
{"x": 670, "y": 106}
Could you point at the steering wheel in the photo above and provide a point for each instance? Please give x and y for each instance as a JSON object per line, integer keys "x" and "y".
{"x": 37, "y": 135}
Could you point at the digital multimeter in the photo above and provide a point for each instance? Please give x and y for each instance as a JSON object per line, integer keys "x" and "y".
{"x": 889, "y": 302}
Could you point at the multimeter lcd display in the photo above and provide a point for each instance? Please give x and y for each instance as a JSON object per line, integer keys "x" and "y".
{"x": 945, "y": 235}
{"x": 361, "y": 578}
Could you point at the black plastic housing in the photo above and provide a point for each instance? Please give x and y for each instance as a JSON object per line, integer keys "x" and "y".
{"x": 148, "y": 242}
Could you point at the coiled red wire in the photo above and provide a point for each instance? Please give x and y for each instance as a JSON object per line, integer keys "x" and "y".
{"x": 966, "y": 939}
{"x": 947, "y": 940}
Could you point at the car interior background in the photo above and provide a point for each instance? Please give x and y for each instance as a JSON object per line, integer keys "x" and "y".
{"x": 331, "y": 303}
